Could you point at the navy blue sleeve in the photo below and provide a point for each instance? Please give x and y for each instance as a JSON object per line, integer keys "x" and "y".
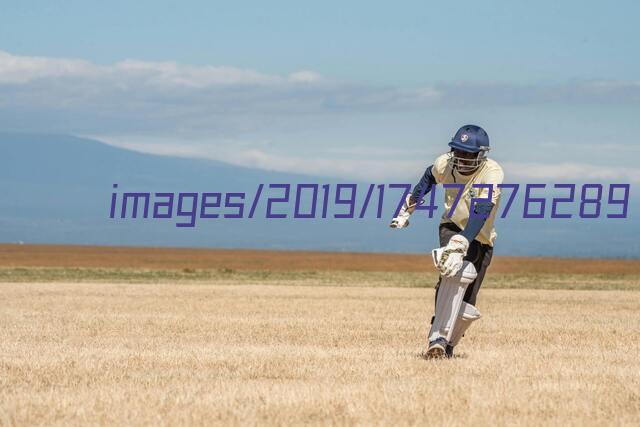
{"x": 424, "y": 186}
{"x": 477, "y": 219}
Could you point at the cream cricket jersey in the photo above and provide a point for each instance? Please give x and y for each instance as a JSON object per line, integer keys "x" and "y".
{"x": 489, "y": 173}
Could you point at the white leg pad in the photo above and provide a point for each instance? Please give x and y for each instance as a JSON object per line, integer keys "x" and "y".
{"x": 468, "y": 314}
{"x": 449, "y": 302}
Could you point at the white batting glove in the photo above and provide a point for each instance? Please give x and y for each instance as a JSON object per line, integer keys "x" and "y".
{"x": 402, "y": 220}
{"x": 453, "y": 254}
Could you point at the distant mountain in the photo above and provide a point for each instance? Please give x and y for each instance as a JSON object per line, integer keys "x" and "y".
{"x": 57, "y": 189}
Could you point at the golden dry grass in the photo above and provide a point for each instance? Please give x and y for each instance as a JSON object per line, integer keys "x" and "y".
{"x": 198, "y": 353}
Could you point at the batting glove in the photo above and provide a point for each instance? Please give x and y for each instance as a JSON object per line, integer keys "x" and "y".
{"x": 402, "y": 220}
{"x": 453, "y": 256}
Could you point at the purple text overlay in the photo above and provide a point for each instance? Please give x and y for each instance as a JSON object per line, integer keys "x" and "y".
{"x": 351, "y": 201}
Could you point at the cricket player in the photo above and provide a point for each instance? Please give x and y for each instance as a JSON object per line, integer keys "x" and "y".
{"x": 466, "y": 236}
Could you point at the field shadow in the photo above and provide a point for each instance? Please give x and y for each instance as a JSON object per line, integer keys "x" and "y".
{"x": 423, "y": 356}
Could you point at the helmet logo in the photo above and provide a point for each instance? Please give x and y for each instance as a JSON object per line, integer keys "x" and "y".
{"x": 464, "y": 138}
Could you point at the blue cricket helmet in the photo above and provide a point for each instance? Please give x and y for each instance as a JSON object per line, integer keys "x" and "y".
{"x": 470, "y": 138}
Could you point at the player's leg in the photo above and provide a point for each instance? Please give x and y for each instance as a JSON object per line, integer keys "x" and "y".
{"x": 480, "y": 256}
{"x": 448, "y": 307}
{"x": 446, "y": 231}
{"x": 469, "y": 313}
{"x": 481, "y": 260}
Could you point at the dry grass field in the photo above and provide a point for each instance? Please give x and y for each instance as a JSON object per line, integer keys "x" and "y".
{"x": 109, "y": 345}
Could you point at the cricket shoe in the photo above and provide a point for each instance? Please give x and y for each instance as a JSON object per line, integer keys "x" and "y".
{"x": 437, "y": 349}
{"x": 448, "y": 351}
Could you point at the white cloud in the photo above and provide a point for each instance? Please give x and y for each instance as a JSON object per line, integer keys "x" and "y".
{"x": 131, "y": 96}
{"x": 168, "y": 94}
{"x": 244, "y": 153}
{"x": 305, "y": 76}
{"x": 173, "y": 74}
{"x": 224, "y": 106}
{"x": 22, "y": 69}
{"x": 615, "y": 149}
{"x": 569, "y": 172}
{"x": 383, "y": 165}
{"x": 365, "y": 169}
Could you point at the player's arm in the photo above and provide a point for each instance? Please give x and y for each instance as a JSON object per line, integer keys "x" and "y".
{"x": 421, "y": 188}
{"x": 482, "y": 208}
{"x": 477, "y": 219}
{"x": 453, "y": 254}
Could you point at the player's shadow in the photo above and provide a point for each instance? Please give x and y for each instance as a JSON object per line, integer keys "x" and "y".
{"x": 423, "y": 355}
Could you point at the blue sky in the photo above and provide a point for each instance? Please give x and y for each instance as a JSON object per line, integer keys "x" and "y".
{"x": 409, "y": 43}
{"x": 364, "y": 89}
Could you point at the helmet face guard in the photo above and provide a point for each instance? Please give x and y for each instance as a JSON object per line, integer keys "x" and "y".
{"x": 465, "y": 164}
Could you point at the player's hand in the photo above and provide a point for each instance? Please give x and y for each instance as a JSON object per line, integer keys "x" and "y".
{"x": 402, "y": 220}
{"x": 453, "y": 256}
{"x": 399, "y": 222}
